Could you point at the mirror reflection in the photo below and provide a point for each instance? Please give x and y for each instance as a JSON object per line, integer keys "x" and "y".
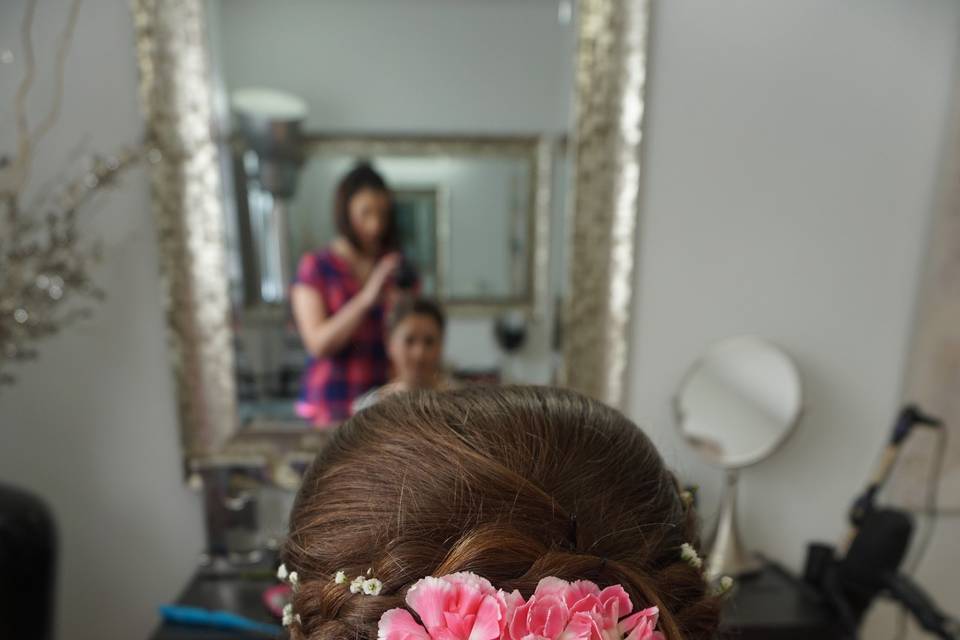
{"x": 739, "y": 402}
{"x": 390, "y": 228}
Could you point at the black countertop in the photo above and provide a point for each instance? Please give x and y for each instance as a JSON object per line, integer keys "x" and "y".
{"x": 771, "y": 605}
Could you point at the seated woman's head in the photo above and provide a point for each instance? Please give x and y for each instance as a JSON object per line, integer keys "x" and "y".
{"x": 415, "y": 329}
{"x": 514, "y": 485}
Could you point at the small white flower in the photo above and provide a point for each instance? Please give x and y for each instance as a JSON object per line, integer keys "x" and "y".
{"x": 689, "y": 555}
{"x": 294, "y": 580}
{"x": 726, "y": 583}
{"x": 369, "y": 571}
{"x": 282, "y": 572}
{"x": 288, "y": 616}
{"x": 340, "y": 578}
{"x": 357, "y": 585}
{"x": 372, "y": 587}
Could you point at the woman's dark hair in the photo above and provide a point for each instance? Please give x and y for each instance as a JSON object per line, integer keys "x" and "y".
{"x": 363, "y": 176}
{"x": 512, "y": 483}
{"x": 413, "y": 306}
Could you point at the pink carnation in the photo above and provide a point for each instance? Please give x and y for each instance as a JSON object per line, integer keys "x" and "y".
{"x": 559, "y": 610}
{"x": 460, "y": 606}
{"x": 464, "y": 606}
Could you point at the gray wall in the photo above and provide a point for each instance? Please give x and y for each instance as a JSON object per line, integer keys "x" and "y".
{"x": 412, "y": 65}
{"x": 90, "y": 427}
{"x": 791, "y": 158}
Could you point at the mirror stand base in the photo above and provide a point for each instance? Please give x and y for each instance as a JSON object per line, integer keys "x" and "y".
{"x": 726, "y": 555}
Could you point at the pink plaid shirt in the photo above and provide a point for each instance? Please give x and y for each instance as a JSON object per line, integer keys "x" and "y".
{"x": 331, "y": 384}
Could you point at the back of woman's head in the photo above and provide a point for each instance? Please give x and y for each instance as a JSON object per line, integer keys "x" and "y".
{"x": 513, "y": 484}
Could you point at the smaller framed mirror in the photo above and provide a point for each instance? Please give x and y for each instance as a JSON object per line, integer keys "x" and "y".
{"x": 466, "y": 213}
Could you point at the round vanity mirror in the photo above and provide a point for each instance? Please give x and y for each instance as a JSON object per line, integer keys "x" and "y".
{"x": 739, "y": 402}
{"x": 735, "y": 406}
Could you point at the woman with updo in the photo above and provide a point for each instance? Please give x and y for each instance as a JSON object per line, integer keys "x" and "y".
{"x": 494, "y": 513}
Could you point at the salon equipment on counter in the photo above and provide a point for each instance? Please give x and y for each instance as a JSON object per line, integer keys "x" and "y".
{"x": 910, "y": 416}
{"x": 269, "y": 123}
{"x": 871, "y": 565}
{"x": 510, "y": 330}
{"x": 735, "y": 406}
{"x": 230, "y": 487}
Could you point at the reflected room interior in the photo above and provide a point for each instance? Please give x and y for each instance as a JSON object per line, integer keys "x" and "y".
{"x": 479, "y": 208}
{"x": 230, "y": 227}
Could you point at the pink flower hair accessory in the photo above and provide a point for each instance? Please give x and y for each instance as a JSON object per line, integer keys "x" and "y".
{"x": 464, "y": 606}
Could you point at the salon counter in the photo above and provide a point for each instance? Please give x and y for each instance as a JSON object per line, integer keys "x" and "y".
{"x": 769, "y": 606}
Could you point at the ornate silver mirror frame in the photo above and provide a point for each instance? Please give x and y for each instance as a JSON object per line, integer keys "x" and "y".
{"x": 177, "y": 102}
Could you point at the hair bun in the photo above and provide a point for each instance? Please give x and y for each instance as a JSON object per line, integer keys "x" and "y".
{"x": 513, "y": 484}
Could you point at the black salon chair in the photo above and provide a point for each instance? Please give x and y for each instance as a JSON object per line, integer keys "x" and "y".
{"x": 27, "y": 566}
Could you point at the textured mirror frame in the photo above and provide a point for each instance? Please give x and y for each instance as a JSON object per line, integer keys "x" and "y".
{"x": 610, "y": 79}
{"x": 176, "y": 98}
{"x": 177, "y": 102}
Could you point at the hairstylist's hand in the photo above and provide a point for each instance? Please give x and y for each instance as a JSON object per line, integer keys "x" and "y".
{"x": 373, "y": 288}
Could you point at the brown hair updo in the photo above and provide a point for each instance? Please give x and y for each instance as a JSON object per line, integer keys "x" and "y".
{"x": 512, "y": 483}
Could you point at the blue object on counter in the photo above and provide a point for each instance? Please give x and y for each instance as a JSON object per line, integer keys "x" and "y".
{"x": 215, "y": 619}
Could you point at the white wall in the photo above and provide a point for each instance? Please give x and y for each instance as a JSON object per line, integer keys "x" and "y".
{"x": 790, "y": 162}
{"x": 90, "y": 427}
{"x": 411, "y": 65}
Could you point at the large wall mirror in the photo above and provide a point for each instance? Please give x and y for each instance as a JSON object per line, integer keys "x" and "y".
{"x": 508, "y": 134}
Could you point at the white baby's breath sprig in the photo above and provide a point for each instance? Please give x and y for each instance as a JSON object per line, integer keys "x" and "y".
{"x": 689, "y": 555}
{"x": 289, "y": 617}
{"x": 356, "y": 586}
{"x": 340, "y": 578}
{"x": 723, "y": 586}
{"x": 372, "y": 587}
{"x": 282, "y": 572}
{"x": 294, "y": 580}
